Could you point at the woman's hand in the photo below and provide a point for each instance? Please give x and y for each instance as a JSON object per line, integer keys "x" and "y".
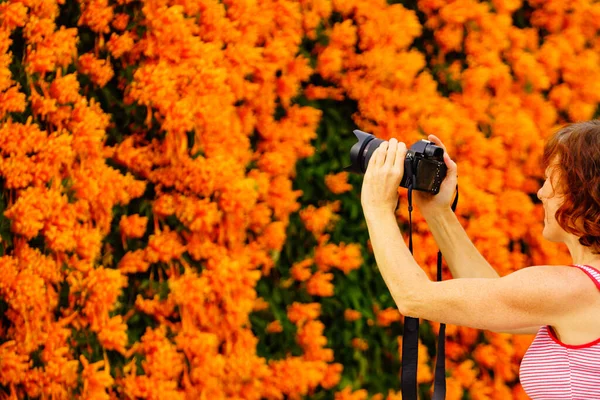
{"x": 379, "y": 192}
{"x": 427, "y": 203}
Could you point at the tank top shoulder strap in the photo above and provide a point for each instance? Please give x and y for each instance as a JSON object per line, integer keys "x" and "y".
{"x": 592, "y": 272}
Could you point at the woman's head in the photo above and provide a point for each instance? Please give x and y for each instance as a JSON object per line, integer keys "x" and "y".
{"x": 571, "y": 192}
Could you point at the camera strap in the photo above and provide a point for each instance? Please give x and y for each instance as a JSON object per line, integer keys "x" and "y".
{"x": 410, "y": 339}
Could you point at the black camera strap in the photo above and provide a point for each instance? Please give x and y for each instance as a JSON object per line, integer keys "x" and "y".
{"x": 410, "y": 339}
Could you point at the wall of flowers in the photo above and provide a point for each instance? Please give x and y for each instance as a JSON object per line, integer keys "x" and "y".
{"x": 175, "y": 222}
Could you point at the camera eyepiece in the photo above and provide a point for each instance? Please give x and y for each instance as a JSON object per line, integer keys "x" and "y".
{"x": 434, "y": 151}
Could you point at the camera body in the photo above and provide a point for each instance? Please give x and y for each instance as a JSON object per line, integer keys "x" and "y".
{"x": 423, "y": 159}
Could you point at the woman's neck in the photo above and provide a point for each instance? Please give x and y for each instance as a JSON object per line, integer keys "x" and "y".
{"x": 582, "y": 255}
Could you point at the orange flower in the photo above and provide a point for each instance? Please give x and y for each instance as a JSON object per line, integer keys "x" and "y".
{"x": 481, "y": 390}
{"x": 65, "y": 89}
{"x": 133, "y": 262}
{"x": 96, "y": 14}
{"x": 58, "y": 49}
{"x": 164, "y": 247}
{"x": 273, "y": 237}
{"x": 360, "y": 344}
{"x": 113, "y": 336}
{"x": 38, "y": 28}
{"x": 293, "y": 74}
{"x": 319, "y": 284}
{"x": 344, "y": 257}
{"x": 330, "y": 62}
{"x": 465, "y": 373}
{"x": 260, "y": 304}
{"x": 162, "y": 362}
{"x": 100, "y": 290}
{"x": 293, "y": 377}
{"x": 350, "y": 257}
{"x": 352, "y": 315}
{"x": 99, "y": 70}
{"x": 313, "y": 92}
{"x": 333, "y": 375}
{"x": 274, "y": 327}
{"x": 387, "y": 316}
{"x": 454, "y": 390}
{"x": 120, "y": 44}
{"x": 317, "y": 220}
{"x": 338, "y": 183}
{"x": 301, "y": 271}
{"x": 394, "y": 395}
{"x": 348, "y": 394}
{"x": 120, "y": 21}
{"x": 157, "y": 308}
{"x": 12, "y": 101}
{"x": 95, "y": 382}
{"x": 521, "y": 343}
{"x": 133, "y": 226}
{"x": 424, "y": 373}
{"x": 20, "y": 139}
{"x": 485, "y": 355}
{"x": 13, "y": 366}
{"x": 298, "y": 313}
{"x": 518, "y": 393}
{"x": 259, "y": 217}
{"x": 13, "y": 15}
{"x": 310, "y": 337}
{"x": 455, "y": 351}
{"x": 343, "y": 34}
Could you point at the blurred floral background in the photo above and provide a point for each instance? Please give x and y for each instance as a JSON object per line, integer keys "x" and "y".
{"x": 175, "y": 222}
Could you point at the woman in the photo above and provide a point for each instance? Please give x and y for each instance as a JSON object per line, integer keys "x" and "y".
{"x": 561, "y": 303}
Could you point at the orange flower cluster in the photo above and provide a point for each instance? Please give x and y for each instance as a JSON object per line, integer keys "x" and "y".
{"x": 149, "y": 180}
{"x": 209, "y": 76}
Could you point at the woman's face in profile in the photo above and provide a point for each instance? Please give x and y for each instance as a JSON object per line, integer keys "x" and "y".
{"x": 551, "y": 201}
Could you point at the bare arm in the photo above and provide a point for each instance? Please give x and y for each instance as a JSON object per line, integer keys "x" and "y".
{"x": 460, "y": 253}
{"x": 533, "y": 296}
{"x": 462, "y": 256}
{"x": 525, "y": 331}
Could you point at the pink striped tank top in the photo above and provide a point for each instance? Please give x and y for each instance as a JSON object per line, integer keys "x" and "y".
{"x": 551, "y": 369}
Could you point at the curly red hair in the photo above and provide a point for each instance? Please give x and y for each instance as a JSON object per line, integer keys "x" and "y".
{"x": 576, "y": 149}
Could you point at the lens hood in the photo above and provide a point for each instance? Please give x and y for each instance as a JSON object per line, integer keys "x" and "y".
{"x": 361, "y": 152}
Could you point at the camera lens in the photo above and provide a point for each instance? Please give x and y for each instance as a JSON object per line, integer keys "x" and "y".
{"x": 361, "y": 152}
{"x": 366, "y": 156}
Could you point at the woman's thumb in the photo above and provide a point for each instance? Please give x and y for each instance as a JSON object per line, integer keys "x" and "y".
{"x": 451, "y": 165}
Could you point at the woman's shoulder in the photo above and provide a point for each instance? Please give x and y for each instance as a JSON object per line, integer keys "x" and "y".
{"x": 560, "y": 284}
{"x": 580, "y": 327}
{"x": 593, "y": 272}
{"x": 584, "y": 271}
{"x": 559, "y": 270}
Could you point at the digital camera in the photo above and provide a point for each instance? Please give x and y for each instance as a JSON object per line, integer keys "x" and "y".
{"x": 424, "y": 159}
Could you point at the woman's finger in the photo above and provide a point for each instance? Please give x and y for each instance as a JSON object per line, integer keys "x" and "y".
{"x": 391, "y": 152}
{"x": 381, "y": 153}
{"x": 373, "y": 161}
{"x": 400, "y": 155}
{"x": 437, "y": 142}
{"x": 452, "y": 166}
